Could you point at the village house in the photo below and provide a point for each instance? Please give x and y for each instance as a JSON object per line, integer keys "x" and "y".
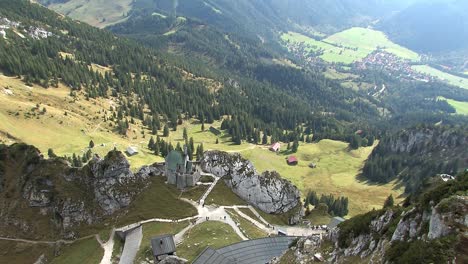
{"x": 275, "y": 147}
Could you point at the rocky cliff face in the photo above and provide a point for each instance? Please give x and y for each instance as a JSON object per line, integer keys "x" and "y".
{"x": 267, "y": 191}
{"x": 431, "y": 231}
{"x": 43, "y": 197}
{"x": 427, "y": 140}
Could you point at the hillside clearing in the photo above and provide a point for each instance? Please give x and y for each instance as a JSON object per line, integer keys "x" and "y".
{"x": 443, "y": 76}
{"x": 461, "y": 108}
{"x": 350, "y": 45}
{"x": 98, "y": 13}
{"x": 336, "y": 173}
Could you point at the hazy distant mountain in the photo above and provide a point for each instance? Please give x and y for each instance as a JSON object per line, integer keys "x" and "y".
{"x": 430, "y": 27}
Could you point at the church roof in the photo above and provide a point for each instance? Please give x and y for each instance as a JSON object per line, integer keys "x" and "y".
{"x": 173, "y": 159}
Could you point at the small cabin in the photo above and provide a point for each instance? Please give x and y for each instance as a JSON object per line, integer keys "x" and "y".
{"x": 275, "y": 147}
{"x": 131, "y": 151}
{"x": 163, "y": 245}
{"x": 292, "y": 161}
{"x": 215, "y": 131}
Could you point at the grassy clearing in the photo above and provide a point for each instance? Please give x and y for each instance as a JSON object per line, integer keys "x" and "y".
{"x": 71, "y": 132}
{"x": 84, "y": 251}
{"x": 461, "y": 108}
{"x": 151, "y": 230}
{"x": 222, "y": 195}
{"x": 273, "y": 219}
{"x": 350, "y": 45}
{"x": 117, "y": 250}
{"x": 208, "y": 234}
{"x": 104, "y": 235}
{"x": 443, "y": 76}
{"x": 336, "y": 173}
{"x": 250, "y": 230}
{"x": 158, "y": 201}
{"x": 99, "y": 13}
{"x": 249, "y": 212}
{"x": 367, "y": 40}
{"x": 16, "y": 252}
{"x": 65, "y": 133}
{"x": 318, "y": 218}
{"x": 195, "y": 193}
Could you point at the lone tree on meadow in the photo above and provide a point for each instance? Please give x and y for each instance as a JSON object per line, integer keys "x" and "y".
{"x": 389, "y": 202}
{"x": 166, "y": 131}
{"x": 91, "y": 144}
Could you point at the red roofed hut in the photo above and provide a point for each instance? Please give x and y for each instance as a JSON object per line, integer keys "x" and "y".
{"x": 292, "y": 161}
{"x": 275, "y": 147}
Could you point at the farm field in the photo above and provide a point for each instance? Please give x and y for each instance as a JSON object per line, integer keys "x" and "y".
{"x": 351, "y": 45}
{"x": 99, "y": 13}
{"x": 336, "y": 173}
{"x": 443, "y": 76}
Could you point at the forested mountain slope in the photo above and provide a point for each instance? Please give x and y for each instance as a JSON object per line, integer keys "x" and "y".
{"x": 274, "y": 98}
{"x": 430, "y": 27}
{"x": 430, "y": 228}
{"x": 416, "y": 154}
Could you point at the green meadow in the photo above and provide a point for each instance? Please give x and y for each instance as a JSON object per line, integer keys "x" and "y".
{"x": 443, "y": 76}
{"x": 208, "y": 234}
{"x": 100, "y": 13}
{"x": 461, "y": 108}
{"x": 336, "y": 173}
{"x": 351, "y": 45}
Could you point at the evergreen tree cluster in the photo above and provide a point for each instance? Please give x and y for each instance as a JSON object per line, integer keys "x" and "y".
{"x": 76, "y": 160}
{"x": 336, "y": 206}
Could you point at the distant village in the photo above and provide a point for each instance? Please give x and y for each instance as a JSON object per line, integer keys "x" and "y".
{"x": 379, "y": 59}
{"x": 392, "y": 64}
{"x": 33, "y": 32}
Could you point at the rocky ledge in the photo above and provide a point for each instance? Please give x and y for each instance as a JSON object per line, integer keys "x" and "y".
{"x": 267, "y": 191}
{"x": 38, "y": 190}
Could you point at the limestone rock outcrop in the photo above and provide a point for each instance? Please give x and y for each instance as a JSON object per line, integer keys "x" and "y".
{"x": 267, "y": 191}
{"x": 48, "y": 194}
